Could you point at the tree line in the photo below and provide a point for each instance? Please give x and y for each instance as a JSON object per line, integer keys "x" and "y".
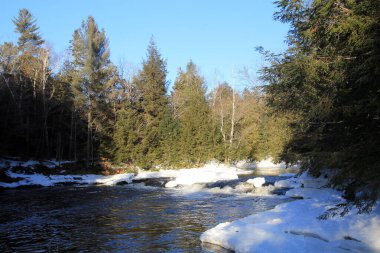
{"x": 85, "y": 108}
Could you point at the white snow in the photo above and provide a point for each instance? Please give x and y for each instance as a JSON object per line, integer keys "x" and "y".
{"x": 295, "y": 227}
{"x": 269, "y": 163}
{"x": 42, "y": 180}
{"x": 257, "y": 181}
{"x": 211, "y": 172}
{"x": 266, "y": 164}
{"x": 157, "y": 174}
{"x": 39, "y": 179}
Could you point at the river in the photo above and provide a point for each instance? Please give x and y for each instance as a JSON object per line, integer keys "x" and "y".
{"x": 128, "y": 218}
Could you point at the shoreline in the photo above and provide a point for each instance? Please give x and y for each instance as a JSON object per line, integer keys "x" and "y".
{"x": 296, "y": 226}
{"x": 48, "y": 173}
{"x": 289, "y": 227}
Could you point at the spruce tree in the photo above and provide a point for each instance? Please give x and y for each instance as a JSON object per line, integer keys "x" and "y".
{"x": 193, "y": 113}
{"x": 152, "y": 105}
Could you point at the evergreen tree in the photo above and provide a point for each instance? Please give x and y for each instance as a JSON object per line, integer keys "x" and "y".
{"x": 329, "y": 79}
{"x": 152, "y": 105}
{"x": 126, "y": 138}
{"x": 93, "y": 80}
{"x": 194, "y": 116}
{"x": 28, "y": 30}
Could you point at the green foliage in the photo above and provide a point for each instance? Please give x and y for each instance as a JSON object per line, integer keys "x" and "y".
{"x": 89, "y": 112}
{"x": 125, "y": 135}
{"x": 93, "y": 78}
{"x": 192, "y": 112}
{"x": 152, "y": 105}
{"x": 28, "y": 30}
{"x": 329, "y": 78}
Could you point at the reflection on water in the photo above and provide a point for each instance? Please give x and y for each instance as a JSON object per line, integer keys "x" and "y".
{"x": 116, "y": 219}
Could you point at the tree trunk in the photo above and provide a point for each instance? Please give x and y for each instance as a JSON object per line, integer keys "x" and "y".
{"x": 232, "y": 121}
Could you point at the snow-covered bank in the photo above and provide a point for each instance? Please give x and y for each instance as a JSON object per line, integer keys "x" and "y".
{"x": 27, "y": 175}
{"x": 211, "y": 172}
{"x": 191, "y": 179}
{"x": 42, "y": 180}
{"x": 295, "y": 227}
{"x": 266, "y": 164}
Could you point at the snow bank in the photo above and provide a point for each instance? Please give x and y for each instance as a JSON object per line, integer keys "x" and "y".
{"x": 20, "y": 179}
{"x": 257, "y": 181}
{"x": 268, "y": 164}
{"x": 209, "y": 173}
{"x": 42, "y": 180}
{"x": 265, "y": 164}
{"x": 157, "y": 174}
{"x": 295, "y": 227}
{"x": 304, "y": 180}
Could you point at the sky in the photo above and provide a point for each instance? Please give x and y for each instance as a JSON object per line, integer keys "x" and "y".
{"x": 219, "y": 36}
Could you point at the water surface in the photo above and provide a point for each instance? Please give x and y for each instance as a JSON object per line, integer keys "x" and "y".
{"x": 128, "y": 218}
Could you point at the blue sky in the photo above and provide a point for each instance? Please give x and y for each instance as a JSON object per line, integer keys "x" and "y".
{"x": 218, "y": 35}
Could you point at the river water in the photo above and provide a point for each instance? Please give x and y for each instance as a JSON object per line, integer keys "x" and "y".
{"x": 129, "y": 218}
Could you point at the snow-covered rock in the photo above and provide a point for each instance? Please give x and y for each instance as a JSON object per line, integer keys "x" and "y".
{"x": 257, "y": 181}
{"x": 209, "y": 173}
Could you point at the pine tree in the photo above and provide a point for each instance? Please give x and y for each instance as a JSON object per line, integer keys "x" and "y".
{"x": 28, "y": 30}
{"x": 94, "y": 76}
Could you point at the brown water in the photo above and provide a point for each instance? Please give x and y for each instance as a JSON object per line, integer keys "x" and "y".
{"x": 127, "y": 218}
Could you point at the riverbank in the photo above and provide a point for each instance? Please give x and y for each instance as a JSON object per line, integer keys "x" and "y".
{"x": 298, "y": 226}
{"x": 294, "y": 226}
{"x": 17, "y": 173}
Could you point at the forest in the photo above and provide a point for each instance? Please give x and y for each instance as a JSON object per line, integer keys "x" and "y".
{"x": 319, "y": 105}
{"x": 85, "y": 108}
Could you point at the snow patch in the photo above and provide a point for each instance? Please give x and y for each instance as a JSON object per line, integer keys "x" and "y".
{"x": 257, "y": 181}
{"x": 209, "y": 173}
